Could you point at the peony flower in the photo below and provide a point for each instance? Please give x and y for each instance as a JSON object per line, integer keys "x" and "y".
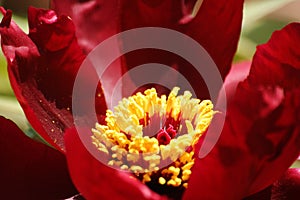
{"x": 261, "y": 124}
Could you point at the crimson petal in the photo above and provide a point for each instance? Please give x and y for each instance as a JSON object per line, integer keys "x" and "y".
{"x": 97, "y": 181}
{"x": 31, "y": 170}
{"x": 261, "y": 135}
{"x": 216, "y": 27}
{"x": 102, "y": 23}
{"x": 288, "y": 186}
{"x": 95, "y": 20}
{"x": 42, "y": 68}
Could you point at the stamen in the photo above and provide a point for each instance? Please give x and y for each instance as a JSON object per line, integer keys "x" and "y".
{"x": 154, "y": 137}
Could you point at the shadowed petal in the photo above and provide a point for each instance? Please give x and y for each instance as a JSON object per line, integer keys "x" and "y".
{"x": 62, "y": 7}
{"x": 95, "y": 20}
{"x": 42, "y": 68}
{"x": 288, "y": 186}
{"x": 282, "y": 56}
{"x": 97, "y": 181}
{"x": 216, "y": 26}
{"x": 31, "y": 170}
{"x": 261, "y": 135}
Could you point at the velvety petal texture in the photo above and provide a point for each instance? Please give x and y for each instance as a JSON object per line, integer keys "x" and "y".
{"x": 97, "y": 181}
{"x": 214, "y": 24}
{"x": 95, "y": 20}
{"x": 216, "y": 27}
{"x": 261, "y": 135}
{"x": 31, "y": 170}
{"x": 288, "y": 186}
{"x": 42, "y": 67}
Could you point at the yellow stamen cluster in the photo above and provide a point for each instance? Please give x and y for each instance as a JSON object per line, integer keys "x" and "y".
{"x": 123, "y": 137}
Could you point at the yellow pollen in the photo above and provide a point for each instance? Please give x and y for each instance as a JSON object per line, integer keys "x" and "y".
{"x": 131, "y": 136}
{"x": 162, "y": 180}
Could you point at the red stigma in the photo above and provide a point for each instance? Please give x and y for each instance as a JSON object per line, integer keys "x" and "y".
{"x": 163, "y": 137}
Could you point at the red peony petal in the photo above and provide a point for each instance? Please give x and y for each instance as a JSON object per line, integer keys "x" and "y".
{"x": 63, "y": 7}
{"x": 216, "y": 27}
{"x": 281, "y": 56}
{"x": 42, "y": 70}
{"x": 261, "y": 135}
{"x": 262, "y": 195}
{"x": 95, "y": 20}
{"x": 97, "y": 181}
{"x": 237, "y": 73}
{"x": 288, "y": 186}
{"x": 60, "y": 55}
{"x": 31, "y": 170}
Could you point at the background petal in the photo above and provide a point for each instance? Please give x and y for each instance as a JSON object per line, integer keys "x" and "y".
{"x": 96, "y": 21}
{"x": 288, "y": 186}
{"x": 42, "y": 70}
{"x": 31, "y": 170}
{"x": 261, "y": 135}
{"x": 98, "y": 181}
{"x": 214, "y": 24}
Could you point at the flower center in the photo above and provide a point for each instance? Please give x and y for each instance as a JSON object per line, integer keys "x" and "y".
{"x": 154, "y": 137}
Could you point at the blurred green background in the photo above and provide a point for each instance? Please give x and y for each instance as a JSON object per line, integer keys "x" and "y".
{"x": 261, "y": 18}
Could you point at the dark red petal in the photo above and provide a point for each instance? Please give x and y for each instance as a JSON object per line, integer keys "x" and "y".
{"x": 42, "y": 71}
{"x": 50, "y": 32}
{"x": 62, "y": 7}
{"x": 288, "y": 186}
{"x": 262, "y": 195}
{"x": 237, "y": 73}
{"x": 97, "y": 181}
{"x": 60, "y": 55}
{"x": 5, "y": 22}
{"x": 31, "y": 170}
{"x": 95, "y": 20}
{"x": 261, "y": 135}
{"x": 216, "y": 27}
{"x": 281, "y": 71}
{"x": 281, "y": 56}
